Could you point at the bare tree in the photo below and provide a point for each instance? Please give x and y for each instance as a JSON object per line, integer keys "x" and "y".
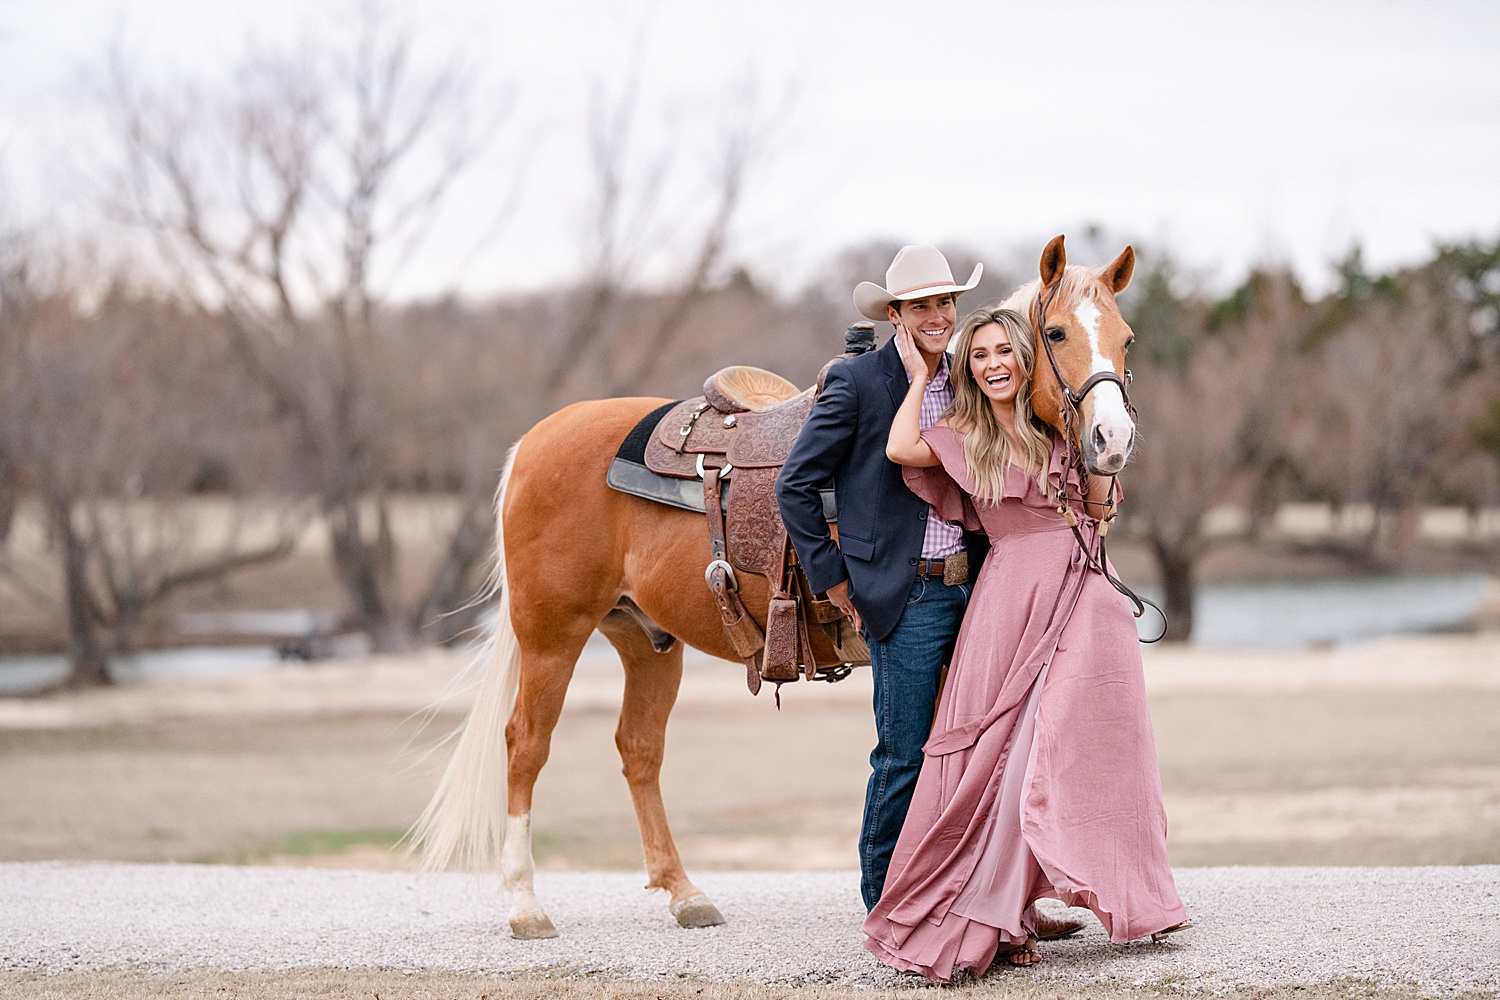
{"x": 1369, "y": 396}
{"x": 107, "y": 424}
{"x": 1469, "y": 275}
{"x": 1392, "y": 386}
{"x": 1211, "y": 392}
{"x": 287, "y": 207}
{"x": 15, "y": 305}
{"x": 663, "y": 187}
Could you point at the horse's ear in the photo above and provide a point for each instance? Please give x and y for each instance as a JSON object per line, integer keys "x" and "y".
{"x": 1117, "y": 275}
{"x": 1054, "y": 260}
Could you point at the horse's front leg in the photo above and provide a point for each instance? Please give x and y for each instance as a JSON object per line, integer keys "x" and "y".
{"x": 651, "y": 683}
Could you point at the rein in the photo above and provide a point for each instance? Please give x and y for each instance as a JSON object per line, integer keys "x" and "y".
{"x": 1072, "y": 400}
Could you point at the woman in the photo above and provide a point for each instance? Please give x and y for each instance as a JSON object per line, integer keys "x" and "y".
{"x": 1040, "y": 776}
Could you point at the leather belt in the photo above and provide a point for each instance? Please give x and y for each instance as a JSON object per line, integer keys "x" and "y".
{"x": 952, "y": 569}
{"x": 930, "y": 567}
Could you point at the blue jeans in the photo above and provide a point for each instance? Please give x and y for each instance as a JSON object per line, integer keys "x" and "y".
{"x": 906, "y": 666}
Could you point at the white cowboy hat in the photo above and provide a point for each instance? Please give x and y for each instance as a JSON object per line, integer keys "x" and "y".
{"x": 916, "y": 273}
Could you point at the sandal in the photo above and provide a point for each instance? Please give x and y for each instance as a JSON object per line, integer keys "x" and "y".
{"x": 1024, "y": 954}
{"x": 1170, "y": 930}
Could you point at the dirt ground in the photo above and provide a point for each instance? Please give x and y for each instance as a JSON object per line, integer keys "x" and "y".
{"x": 344, "y": 984}
{"x": 325, "y": 766}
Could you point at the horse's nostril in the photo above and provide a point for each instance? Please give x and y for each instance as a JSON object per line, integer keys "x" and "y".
{"x": 1099, "y": 443}
{"x": 1130, "y": 445}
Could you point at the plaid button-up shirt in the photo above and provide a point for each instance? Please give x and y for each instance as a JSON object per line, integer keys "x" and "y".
{"x": 943, "y": 538}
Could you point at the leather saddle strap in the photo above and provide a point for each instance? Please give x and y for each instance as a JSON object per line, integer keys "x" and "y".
{"x": 713, "y": 507}
{"x": 810, "y": 615}
{"x": 809, "y": 658}
{"x": 744, "y": 636}
{"x": 686, "y": 430}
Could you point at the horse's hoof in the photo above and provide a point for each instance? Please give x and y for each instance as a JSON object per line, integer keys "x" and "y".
{"x": 697, "y": 911}
{"x": 532, "y": 927}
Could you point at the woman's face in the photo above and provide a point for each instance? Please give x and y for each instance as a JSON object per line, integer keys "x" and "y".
{"x": 994, "y": 364}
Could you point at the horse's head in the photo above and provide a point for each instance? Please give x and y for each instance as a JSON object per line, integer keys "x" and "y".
{"x": 1085, "y": 335}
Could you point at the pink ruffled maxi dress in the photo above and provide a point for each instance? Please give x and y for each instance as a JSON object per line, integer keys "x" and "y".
{"x": 1040, "y": 777}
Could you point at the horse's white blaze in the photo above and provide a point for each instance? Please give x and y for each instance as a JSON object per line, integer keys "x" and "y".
{"x": 1110, "y": 416}
{"x": 518, "y": 870}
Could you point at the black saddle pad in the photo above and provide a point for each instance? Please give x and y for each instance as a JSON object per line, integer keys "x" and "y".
{"x": 633, "y": 448}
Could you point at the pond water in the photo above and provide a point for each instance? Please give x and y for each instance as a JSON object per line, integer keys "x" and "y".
{"x": 1280, "y": 615}
{"x": 22, "y": 674}
{"x": 1295, "y": 615}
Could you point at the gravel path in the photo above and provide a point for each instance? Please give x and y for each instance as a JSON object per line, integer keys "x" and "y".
{"x": 1438, "y": 928}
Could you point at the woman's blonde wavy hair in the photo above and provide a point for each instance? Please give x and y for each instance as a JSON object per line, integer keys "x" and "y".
{"x": 987, "y": 449}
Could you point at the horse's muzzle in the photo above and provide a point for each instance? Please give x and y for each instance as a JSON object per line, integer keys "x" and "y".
{"x": 1107, "y": 446}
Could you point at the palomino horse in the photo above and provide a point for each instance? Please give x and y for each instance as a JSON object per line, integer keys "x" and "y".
{"x": 573, "y": 555}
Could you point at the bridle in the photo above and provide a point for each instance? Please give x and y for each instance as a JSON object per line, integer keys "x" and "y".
{"x": 1072, "y": 401}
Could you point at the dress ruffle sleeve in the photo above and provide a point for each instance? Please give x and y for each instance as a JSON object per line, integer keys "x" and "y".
{"x": 946, "y": 486}
{"x": 1055, "y": 473}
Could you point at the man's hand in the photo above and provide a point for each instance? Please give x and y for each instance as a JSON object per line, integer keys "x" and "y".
{"x": 839, "y": 595}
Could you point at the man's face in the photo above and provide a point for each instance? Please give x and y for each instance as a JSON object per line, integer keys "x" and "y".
{"x": 930, "y": 321}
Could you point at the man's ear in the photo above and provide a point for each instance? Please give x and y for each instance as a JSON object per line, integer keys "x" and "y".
{"x": 893, "y": 313}
{"x": 1117, "y": 275}
{"x": 1054, "y": 261}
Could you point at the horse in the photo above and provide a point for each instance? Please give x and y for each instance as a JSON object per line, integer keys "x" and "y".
{"x": 573, "y": 556}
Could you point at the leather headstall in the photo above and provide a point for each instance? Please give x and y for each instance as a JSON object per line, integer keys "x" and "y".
{"x": 1071, "y": 414}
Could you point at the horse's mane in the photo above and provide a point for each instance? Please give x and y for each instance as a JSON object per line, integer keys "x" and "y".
{"x": 1078, "y": 282}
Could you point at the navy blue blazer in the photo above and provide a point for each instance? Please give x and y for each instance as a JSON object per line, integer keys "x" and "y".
{"x": 881, "y": 521}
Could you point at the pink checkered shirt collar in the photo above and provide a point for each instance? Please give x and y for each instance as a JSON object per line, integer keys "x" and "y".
{"x": 941, "y": 538}
{"x": 936, "y": 384}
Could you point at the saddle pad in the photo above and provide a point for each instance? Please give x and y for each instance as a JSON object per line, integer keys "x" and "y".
{"x": 684, "y": 494}
{"x": 639, "y": 481}
{"x": 633, "y": 448}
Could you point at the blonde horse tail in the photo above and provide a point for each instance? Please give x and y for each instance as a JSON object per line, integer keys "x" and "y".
{"x": 464, "y": 824}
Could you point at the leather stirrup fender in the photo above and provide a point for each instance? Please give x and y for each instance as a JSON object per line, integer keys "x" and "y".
{"x": 744, "y": 636}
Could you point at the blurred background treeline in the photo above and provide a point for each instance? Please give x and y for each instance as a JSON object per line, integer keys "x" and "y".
{"x": 222, "y": 420}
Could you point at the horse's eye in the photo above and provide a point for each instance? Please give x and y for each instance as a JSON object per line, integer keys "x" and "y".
{"x": 1129, "y": 343}
{"x": 1056, "y": 334}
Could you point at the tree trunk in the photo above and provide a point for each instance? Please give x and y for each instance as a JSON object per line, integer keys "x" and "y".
{"x": 445, "y": 614}
{"x": 367, "y": 568}
{"x": 10, "y": 500}
{"x": 1369, "y": 547}
{"x": 88, "y": 657}
{"x": 1177, "y": 567}
{"x": 1265, "y": 497}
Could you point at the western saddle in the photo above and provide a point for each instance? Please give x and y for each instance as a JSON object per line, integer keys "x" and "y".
{"x": 740, "y": 431}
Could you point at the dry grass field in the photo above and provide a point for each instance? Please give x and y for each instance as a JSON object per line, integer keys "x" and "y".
{"x": 1316, "y": 758}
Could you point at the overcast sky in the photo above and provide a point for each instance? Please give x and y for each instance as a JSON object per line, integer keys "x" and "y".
{"x": 1231, "y": 133}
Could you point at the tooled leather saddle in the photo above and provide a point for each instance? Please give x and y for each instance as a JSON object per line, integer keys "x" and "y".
{"x": 733, "y": 440}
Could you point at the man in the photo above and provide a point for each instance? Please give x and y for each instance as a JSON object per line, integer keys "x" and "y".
{"x": 899, "y": 570}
